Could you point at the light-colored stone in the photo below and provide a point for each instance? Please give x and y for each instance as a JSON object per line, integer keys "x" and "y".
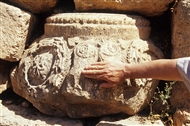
{"x": 145, "y": 7}
{"x": 39, "y": 6}
{"x": 136, "y": 120}
{"x": 182, "y": 117}
{"x": 51, "y": 67}
{"x": 100, "y": 25}
{"x": 16, "y": 115}
{"x": 15, "y": 27}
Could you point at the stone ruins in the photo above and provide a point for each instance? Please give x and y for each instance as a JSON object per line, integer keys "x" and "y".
{"x": 51, "y": 67}
{"x": 45, "y": 68}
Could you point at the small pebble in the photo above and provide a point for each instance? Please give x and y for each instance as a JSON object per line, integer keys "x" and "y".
{"x": 25, "y": 104}
{"x": 8, "y": 102}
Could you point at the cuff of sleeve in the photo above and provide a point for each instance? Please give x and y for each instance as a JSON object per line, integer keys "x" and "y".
{"x": 183, "y": 66}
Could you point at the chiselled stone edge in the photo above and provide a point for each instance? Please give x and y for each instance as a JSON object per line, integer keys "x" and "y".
{"x": 98, "y": 18}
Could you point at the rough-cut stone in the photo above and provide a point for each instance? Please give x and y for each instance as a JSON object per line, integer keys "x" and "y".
{"x": 49, "y": 73}
{"x": 182, "y": 117}
{"x": 146, "y": 7}
{"x": 39, "y": 6}
{"x": 15, "y": 26}
{"x": 180, "y": 29}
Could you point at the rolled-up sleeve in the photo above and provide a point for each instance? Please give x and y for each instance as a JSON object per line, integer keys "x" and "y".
{"x": 183, "y": 66}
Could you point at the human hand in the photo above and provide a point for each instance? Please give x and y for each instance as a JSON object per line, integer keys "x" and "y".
{"x": 111, "y": 72}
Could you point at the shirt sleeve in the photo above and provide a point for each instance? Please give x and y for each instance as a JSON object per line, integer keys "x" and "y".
{"x": 183, "y": 66}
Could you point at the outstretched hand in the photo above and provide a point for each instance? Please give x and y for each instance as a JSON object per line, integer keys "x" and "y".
{"x": 113, "y": 73}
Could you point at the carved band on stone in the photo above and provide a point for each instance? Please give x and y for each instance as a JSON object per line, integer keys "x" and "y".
{"x": 95, "y": 18}
{"x": 97, "y": 24}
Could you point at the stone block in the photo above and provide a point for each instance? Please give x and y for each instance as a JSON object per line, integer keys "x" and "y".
{"x": 145, "y": 7}
{"x": 39, "y": 6}
{"x": 180, "y": 29}
{"x": 15, "y": 26}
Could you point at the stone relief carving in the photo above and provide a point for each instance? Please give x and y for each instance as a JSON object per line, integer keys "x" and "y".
{"x": 49, "y": 73}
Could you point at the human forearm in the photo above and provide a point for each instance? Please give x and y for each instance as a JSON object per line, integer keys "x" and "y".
{"x": 164, "y": 69}
{"x": 116, "y": 72}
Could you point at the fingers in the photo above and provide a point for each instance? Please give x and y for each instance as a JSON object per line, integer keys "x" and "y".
{"x": 107, "y": 85}
{"x": 98, "y": 77}
{"x": 94, "y": 67}
{"x": 92, "y": 72}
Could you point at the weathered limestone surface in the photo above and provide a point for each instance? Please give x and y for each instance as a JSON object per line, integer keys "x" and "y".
{"x": 181, "y": 48}
{"x": 180, "y": 29}
{"x": 39, "y": 6}
{"x": 15, "y": 26}
{"x": 145, "y": 7}
{"x": 51, "y": 67}
{"x": 98, "y": 24}
{"x": 182, "y": 117}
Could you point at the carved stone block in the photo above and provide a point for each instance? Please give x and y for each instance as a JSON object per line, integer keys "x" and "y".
{"x": 98, "y": 25}
{"x": 145, "y": 7}
{"x": 49, "y": 74}
{"x": 15, "y": 27}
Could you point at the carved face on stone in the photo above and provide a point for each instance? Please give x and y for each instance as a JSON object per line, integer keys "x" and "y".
{"x": 41, "y": 68}
{"x": 44, "y": 66}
